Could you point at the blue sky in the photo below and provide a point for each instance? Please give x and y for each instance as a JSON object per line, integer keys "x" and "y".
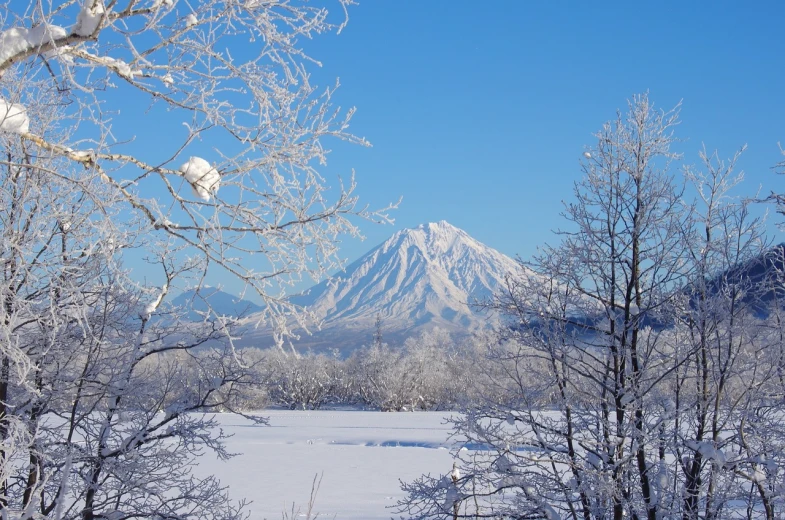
{"x": 479, "y": 111}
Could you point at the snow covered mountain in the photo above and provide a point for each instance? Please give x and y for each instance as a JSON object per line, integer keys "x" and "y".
{"x": 419, "y": 278}
{"x": 222, "y": 303}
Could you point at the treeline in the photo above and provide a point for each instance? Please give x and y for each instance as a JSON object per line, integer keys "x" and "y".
{"x": 431, "y": 371}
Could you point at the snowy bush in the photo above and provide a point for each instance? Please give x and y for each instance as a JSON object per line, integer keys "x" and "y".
{"x": 425, "y": 373}
{"x": 304, "y": 382}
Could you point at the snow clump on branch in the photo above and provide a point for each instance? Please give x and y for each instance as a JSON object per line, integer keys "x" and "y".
{"x": 13, "y": 118}
{"x": 121, "y": 67}
{"x": 17, "y": 40}
{"x": 44, "y": 33}
{"x": 204, "y": 179}
{"x": 151, "y": 307}
{"x": 89, "y": 18}
{"x": 12, "y": 42}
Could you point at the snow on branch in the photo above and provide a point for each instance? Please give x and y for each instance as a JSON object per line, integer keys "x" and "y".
{"x": 204, "y": 179}
{"x": 13, "y": 118}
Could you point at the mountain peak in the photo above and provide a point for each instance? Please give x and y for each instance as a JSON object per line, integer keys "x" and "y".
{"x": 441, "y": 225}
{"x": 419, "y": 278}
{"x": 432, "y": 239}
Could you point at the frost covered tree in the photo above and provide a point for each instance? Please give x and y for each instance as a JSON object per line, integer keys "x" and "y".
{"x": 237, "y": 178}
{"x": 635, "y": 378}
{"x": 718, "y": 384}
{"x": 425, "y": 373}
{"x": 379, "y": 378}
{"x": 301, "y": 382}
{"x": 436, "y": 364}
{"x": 95, "y": 418}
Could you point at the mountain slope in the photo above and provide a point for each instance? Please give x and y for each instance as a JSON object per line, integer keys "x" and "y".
{"x": 418, "y": 279}
{"x": 760, "y": 278}
{"x": 428, "y": 273}
{"x": 222, "y": 303}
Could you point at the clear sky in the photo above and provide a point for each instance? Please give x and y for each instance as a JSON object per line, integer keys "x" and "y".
{"x": 479, "y": 111}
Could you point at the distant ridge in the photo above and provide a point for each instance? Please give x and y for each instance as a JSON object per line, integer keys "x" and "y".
{"x": 761, "y": 277}
{"x": 221, "y": 303}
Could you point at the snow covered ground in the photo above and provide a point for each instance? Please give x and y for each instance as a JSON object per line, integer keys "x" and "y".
{"x": 361, "y": 454}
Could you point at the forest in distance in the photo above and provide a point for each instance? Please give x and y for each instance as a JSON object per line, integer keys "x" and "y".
{"x": 637, "y": 369}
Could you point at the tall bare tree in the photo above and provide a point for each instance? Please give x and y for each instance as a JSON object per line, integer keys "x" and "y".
{"x": 635, "y": 362}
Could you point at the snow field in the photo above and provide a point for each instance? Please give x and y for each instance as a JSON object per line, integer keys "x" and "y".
{"x": 362, "y": 456}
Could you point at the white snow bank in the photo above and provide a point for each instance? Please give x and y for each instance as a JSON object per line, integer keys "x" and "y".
{"x": 89, "y": 18}
{"x": 13, "y": 118}
{"x": 204, "y": 179}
